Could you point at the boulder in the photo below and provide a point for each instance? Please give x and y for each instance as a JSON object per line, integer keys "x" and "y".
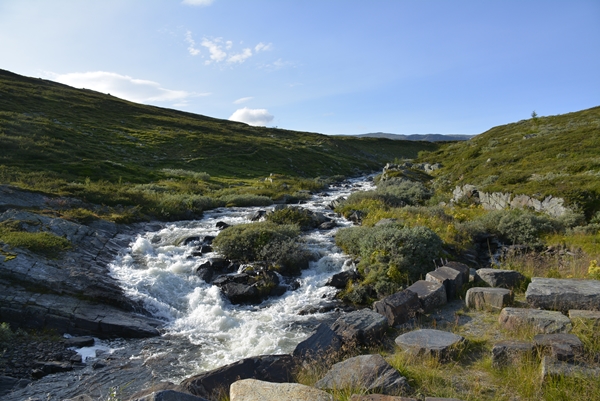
{"x": 440, "y": 344}
{"x": 256, "y": 390}
{"x": 257, "y": 215}
{"x": 399, "y": 307}
{"x": 241, "y": 293}
{"x": 563, "y": 294}
{"x": 541, "y": 321}
{"x": 322, "y": 342}
{"x": 585, "y": 316}
{"x": 169, "y": 395}
{"x": 361, "y": 326}
{"x": 500, "y": 278}
{"x": 462, "y": 268}
{"x": 221, "y": 225}
{"x": 8, "y": 384}
{"x": 450, "y": 278}
{"x": 272, "y": 368}
{"x": 367, "y": 372}
{"x": 562, "y": 346}
{"x": 328, "y": 225}
{"x": 431, "y": 295}
{"x": 340, "y": 280}
{"x": 488, "y": 298}
{"x": 511, "y": 352}
{"x": 552, "y": 368}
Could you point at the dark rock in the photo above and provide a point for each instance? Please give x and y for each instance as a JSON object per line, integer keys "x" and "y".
{"x": 398, "y": 308}
{"x": 450, "y": 278}
{"x": 205, "y": 273}
{"x": 8, "y": 384}
{"x": 241, "y": 293}
{"x": 562, "y": 347}
{"x": 563, "y": 294}
{"x": 191, "y": 240}
{"x": 206, "y": 249}
{"x": 322, "y": 342}
{"x": 335, "y": 203}
{"x": 51, "y": 367}
{"x": 356, "y": 217}
{"x": 221, "y": 225}
{"x": 361, "y": 326}
{"x": 79, "y": 342}
{"x": 328, "y": 225}
{"x": 368, "y": 372}
{"x": 501, "y": 278}
{"x": 169, "y": 395}
{"x": 208, "y": 239}
{"x": 511, "y": 352}
{"x": 257, "y": 215}
{"x": 340, "y": 280}
{"x": 272, "y": 368}
{"x": 462, "y": 268}
{"x": 431, "y": 295}
{"x": 440, "y": 344}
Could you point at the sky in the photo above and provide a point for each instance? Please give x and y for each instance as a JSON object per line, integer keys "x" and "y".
{"x": 326, "y": 66}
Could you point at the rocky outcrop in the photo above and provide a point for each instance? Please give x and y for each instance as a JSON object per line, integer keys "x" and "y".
{"x": 361, "y": 326}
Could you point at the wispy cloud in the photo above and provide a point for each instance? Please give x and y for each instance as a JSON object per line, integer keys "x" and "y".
{"x": 194, "y": 51}
{"x": 123, "y": 86}
{"x": 215, "y": 48}
{"x": 243, "y": 100}
{"x": 261, "y": 47}
{"x": 256, "y": 117}
{"x": 198, "y": 2}
{"x": 240, "y": 57}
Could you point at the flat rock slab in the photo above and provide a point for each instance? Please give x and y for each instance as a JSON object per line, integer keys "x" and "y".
{"x": 562, "y": 346}
{"x": 563, "y": 294}
{"x": 366, "y": 372}
{"x": 510, "y": 352}
{"x": 450, "y": 278}
{"x": 398, "y": 308}
{"x": 551, "y": 368}
{"x": 379, "y": 397}
{"x": 361, "y": 326}
{"x": 429, "y": 342}
{"x": 485, "y": 298}
{"x": 256, "y": 390}
{"x": 431, "y": 295}
{"x": 586, "y": 316}
{"x": 542, "y": 321}
{"x": 500, "y": 278}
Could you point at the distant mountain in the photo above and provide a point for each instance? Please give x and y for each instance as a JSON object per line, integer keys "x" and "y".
{"x": 418, "y": 137}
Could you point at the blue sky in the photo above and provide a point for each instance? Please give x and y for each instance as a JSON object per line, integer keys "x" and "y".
{"x": 327, "y": 66}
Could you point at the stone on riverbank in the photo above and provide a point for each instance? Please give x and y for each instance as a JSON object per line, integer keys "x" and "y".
{"x": 482, "y": 298}
{"x": 431, "y": 295}
{"x": 510, "y": 352}
{"x": 361, "y": 326}
{"x": 562, "y": 346}
{"x": 440, "y": 344}
{"x": 322, "y": 342}
{"x": 398, "y": 308}
{"x": 500, "y": 278}
{"x": 450, "y": 278}
{"x": 366, "y": 372}
{"x": 541, "y": 321}
{"x": 563, "y": 294}
{"x": 256, "y": 390}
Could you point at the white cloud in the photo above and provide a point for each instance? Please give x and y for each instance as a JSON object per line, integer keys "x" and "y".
{"x": 240, "y": 57}
{"x": 243, "y": 100}
{"x": 123, "y": 86}
{"x": 261, "y": 47}
{"x": 198, "y": 2}
{"x": 194, "y": 51}
{"x": 215, "y": 48}
{"x": 256, "y": 117}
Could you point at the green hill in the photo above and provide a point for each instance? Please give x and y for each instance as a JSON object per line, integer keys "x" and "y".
{"x": 57, "y": 139}
{"x": 554, "y": 155}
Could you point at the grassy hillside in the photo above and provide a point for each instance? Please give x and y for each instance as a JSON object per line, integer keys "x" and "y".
{"x": 57, "y": 139}
{"x": 555, "y": 155}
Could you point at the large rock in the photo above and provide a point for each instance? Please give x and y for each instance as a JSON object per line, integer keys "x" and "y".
{"x": 366, "y": 372}
{"x": 563, "y": 294}
{"x": 462, "y": 268}
{"x": 485, "y": 298}
{"x": 511, "y": 352}
{"x": 585, "y": 316}
{"x": 272, "y": 368}
{"x": 322, "y": 342}
{"x": 256, "y": 390}
{"x": 170, "y": 395}
{"x": 500, "y": 278}
{"x": 541, "y": 321}
{"x": 450, "y": 278}
{"x": 552, "y": 368}
{"x": 340, "y": 280}
{"x": 562, "y": 346}
{"x": 361, "y": 326}
{"x": 440, "y": 344}
{"x": 431, "y": 295}
{"x": 399, "y": 307}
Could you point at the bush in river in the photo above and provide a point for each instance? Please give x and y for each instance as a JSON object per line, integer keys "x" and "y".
{"x": 287, "y": 256}
{"x": 245, "y": 242}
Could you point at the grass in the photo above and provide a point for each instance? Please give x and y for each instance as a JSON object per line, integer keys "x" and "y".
{"x": 41, "y": 242}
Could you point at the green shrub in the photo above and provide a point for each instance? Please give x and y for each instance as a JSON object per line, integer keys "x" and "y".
{"x": 44, "y": 243}
{"x": 5, "y": 333}
{"x": 303, "y": 218}
{"x": 399, "y": 192}
{"x": 401, "y": 254}
{"x": 243, "y": 200}
{"x": 245, "y": 242}
{"x": 286, "y": 255}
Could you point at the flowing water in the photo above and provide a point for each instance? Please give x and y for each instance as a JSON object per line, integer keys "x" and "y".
{"x": 159, "y": 270}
